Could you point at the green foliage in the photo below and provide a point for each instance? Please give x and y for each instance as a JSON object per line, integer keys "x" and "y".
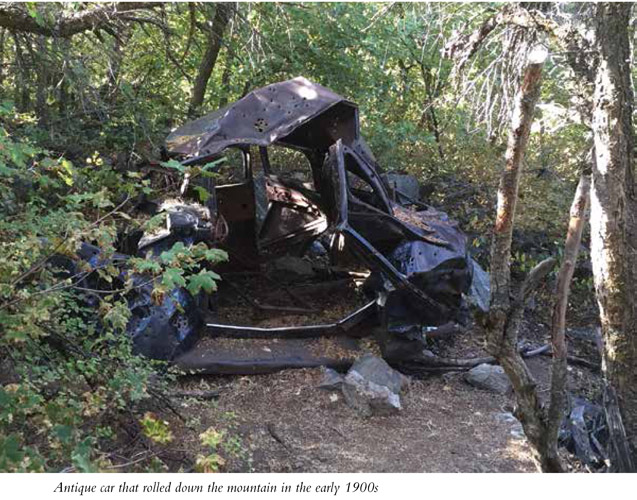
{"x": 68, "y": 373}
{"x": 155, "y": 429}
{"x": 205, "y": 280}
{"x": 211, "y": 439}
{"x": 181, "y": 267}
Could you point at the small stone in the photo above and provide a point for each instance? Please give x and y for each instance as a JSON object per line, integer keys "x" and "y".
{"x": 516, "y": 429}
{"x": 490, "y": 378}
{"x": 372, "y": 387}
{"x": 377, "y": 370}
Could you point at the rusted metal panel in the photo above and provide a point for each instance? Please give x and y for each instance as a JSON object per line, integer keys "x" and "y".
{"x": 237, "y": 206}
{"x": 267, "y": 115}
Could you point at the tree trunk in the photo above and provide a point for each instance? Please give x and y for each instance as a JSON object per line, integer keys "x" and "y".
{"x": 521, "y": 121}
{"x": 221, "y": 18}
{"x": 225, "y": 78}
{"x": 15, "y": 17}
{"x": 504, "y": 316}
{"x": 613, "y": 228}
{"x": 42, "y": 83}
{"x": 428, "y": 116}
{"x": 559, "y": 372}
{"x": 63, "y": 46}
{"x": 21, "y": 92}
{"x": 3, "y": 35}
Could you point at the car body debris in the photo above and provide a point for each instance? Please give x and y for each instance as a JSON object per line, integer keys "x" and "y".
{"x": 297, "y": 190}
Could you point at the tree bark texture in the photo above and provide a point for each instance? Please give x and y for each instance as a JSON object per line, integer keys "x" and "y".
{"x": 613, "y": 228}
{"x": 521, "y": 121}
{"x": 559, "y": 372}
{"x": 222, "y": 14}
{"x": 504, "y": 315}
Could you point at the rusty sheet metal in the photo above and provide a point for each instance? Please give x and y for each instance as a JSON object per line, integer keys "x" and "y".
{"x": 419, "y": 259}
{"x": 236, "y": 205}
{"x": 267, "y": 115}
{"x": 217, "y": 356}
{"x": 292, "y": 220}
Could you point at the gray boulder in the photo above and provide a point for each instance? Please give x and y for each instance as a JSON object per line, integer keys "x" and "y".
{"x": 372, "y": 387}
{"x": 490, "y": 378}
{"x": 480, "y": 291}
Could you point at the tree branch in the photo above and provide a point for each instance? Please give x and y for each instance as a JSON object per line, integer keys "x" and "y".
{"x": 16, "y": 18}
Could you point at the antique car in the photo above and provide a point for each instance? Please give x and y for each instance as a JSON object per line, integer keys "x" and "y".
{"x": 331, "y": 193}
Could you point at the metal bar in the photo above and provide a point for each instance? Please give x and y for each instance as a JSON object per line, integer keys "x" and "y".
{"x": 341, "y": 327}
{"x": 251, "y": 332}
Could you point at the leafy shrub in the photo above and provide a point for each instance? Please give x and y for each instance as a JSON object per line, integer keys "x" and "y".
{"x": 68, "y": 374}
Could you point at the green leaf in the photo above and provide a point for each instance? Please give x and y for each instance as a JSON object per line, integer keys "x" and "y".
{"x": 146, "y": 265}
{"x": 81, "y": 457}
{"x": 173, "y": 277}
{"x": 6, "y": 171}
{"x": 174, "y": 164}
{"x": 205, "y": 280}
{"x": 155, "y": 429}
{"x": 10, "y": 452}
{"x": 118, "y": 315}
{"x": 203, "y": 193}
{"x": 211, "y": 438}
{"x": 172, "y": 256}
{"x": 35, "y": 13}
{"x": 212, "y": 255}
{"x": 63, "y": 432}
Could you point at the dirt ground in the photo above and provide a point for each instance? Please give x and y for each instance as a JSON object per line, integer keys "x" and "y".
{"x": 283, "y": 422}
{"x": 286, "y": 424}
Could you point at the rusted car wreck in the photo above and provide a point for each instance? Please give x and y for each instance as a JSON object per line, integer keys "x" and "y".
{"x": 417, "y": 259}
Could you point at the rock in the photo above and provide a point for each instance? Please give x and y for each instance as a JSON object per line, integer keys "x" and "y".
{"x": 406, "y": 184}
{"x": 332, "y": 380}
{"x": 517, "y": 431}
{"x": 372, "y": 387}
{"x": 480, "y": 291}
{"x": 490, "y": 378}
{"x": 290, "y": 268}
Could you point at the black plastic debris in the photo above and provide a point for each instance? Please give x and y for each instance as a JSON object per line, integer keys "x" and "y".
{"x": 584, "y": 433}
{"x": 164, "y": 330}
{"x": 158, "y": 329}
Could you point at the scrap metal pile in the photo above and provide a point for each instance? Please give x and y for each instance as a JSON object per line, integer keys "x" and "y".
{"x": 326, "y": 204}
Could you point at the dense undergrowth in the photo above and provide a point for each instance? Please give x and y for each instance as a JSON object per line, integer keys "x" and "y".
{"x": 69, "y": 376}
